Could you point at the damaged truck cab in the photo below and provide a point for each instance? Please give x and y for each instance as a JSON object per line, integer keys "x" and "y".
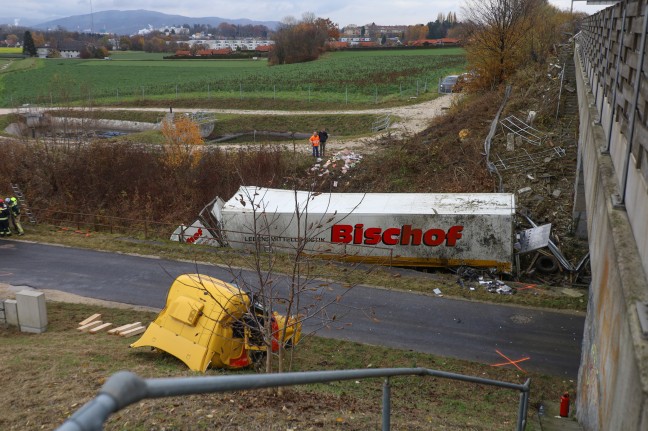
{"x": 210, "y": 323}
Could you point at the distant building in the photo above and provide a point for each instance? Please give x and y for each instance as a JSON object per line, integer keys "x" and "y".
{"x": 435, "y": 42}
{"x": 356, "y": 41}
{"x": 167, "y": 29}
{"x": 248, "y": 44}
{"x": 43, "y": 51}
{"x": 71, "y": 49}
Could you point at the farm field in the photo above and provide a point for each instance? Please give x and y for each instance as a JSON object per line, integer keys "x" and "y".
{"x": 6, "y": 50}
{"x": 356, "y": 79}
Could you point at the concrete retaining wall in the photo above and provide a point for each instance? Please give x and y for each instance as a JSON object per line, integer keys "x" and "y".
{"x": 613, "y": 378}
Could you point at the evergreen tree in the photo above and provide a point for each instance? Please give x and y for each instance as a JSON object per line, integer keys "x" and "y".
{"x": 28, "y": 45}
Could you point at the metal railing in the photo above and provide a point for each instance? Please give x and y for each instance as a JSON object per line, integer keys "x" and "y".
{"x": 381, "y": 123}
{"x": 125, "y": 388}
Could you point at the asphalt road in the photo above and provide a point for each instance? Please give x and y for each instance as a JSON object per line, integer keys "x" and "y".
{"x": 461, "y": 329}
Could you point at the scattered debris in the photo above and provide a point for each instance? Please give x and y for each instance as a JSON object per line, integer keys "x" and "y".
{"x": 93, "y": 324}
{"x": 100, "y": 328}
{"x": 437, "y": 291}
{"x": 493, "y": 285}
{"x": 89, "y": 326}
{"x": 123, "y": 328}
{"x": 132, "y": 332}
{"x": 524, "y": 190}
{"x": 522, "y": 129}
{"x": 339, "y": 164}
{"x": 528, "y": 160}
{"x": 90, "y": 319}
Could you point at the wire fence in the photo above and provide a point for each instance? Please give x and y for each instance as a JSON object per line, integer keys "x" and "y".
{"x": 303, "y": 92}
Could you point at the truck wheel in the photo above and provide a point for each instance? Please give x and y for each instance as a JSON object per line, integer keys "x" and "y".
{"x": 546, "y": 264}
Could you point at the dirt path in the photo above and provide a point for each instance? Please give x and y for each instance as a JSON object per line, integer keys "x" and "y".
{"x": 412, "y": 119}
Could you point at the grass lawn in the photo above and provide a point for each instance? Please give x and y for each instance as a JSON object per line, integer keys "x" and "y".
{"x": 49, "y": 376}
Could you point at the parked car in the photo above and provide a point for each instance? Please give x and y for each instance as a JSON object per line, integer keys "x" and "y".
{"x": 448, "y": 83}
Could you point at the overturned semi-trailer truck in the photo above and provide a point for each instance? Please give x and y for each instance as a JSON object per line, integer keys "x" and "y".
{"x": 400, "y": 229}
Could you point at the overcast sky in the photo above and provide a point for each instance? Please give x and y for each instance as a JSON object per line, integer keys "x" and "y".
{"x": 342, "y": 12}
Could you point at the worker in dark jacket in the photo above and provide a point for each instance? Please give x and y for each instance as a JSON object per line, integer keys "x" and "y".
{"x": 4, "y": 219}
{"x": 14, "y": 214}
{"x": 323, "y": 136}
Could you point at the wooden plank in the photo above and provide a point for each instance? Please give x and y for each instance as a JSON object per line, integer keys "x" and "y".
{"x": 90, "y": 319}
{"x": 89, "y": 326}
{"x": 133, "y": 332}
{"x": 100, "y": 328}
{"x": 118, "y": 330}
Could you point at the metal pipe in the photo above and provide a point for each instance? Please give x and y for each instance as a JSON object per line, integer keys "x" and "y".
{"x": 523, "y": 406}
{"x": 606, "y": 150}
{"x": 633, "y": 116}
{"x": 386, "y": 406}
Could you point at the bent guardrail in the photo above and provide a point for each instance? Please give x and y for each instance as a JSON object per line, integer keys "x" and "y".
{"x": 125, "y": 388}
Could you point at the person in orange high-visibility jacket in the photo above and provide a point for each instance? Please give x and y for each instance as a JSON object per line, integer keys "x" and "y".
{"x": 315, "y": 142}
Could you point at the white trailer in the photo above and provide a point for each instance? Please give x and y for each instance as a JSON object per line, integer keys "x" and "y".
{"x": 400, "y": 229}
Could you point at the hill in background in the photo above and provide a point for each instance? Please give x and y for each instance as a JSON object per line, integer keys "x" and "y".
{"x": 128, "y": 22}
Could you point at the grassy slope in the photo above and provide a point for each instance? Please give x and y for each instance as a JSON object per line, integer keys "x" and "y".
{"x": 49, "y": 376}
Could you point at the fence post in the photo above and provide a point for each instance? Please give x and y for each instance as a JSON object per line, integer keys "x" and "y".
{"x": 346, "y": 95}
{"x": 386, "y": 406}
{"x": 240, "y": 91}
{"x": 523, "y": 406}
{"x": 111, "y": 225}
{"x": 145, "y": 229}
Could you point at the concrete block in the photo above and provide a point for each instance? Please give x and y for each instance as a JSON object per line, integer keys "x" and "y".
{"x": 32, "y": 312}
{"x": 11, "y": 311}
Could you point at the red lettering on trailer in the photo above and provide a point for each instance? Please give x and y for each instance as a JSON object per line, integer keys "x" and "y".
{"x": 195, "y": 236}
{"x": 405, "y": 235}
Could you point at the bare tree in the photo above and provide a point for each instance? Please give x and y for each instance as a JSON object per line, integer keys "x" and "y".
{"x": 496, "y": 31}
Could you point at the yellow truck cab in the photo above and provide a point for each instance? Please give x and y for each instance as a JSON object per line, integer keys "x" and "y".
{"x": 210, "y": 323}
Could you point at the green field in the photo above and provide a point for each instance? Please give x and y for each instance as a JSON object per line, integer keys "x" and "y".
{"x": 5, "y": 50}
{"x": 354, "y": 78}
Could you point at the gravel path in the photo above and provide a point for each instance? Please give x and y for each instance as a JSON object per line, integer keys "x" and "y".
{"x": 412, "y": 119}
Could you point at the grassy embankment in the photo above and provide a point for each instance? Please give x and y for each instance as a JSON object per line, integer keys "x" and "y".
{"x": 49, "y": 376}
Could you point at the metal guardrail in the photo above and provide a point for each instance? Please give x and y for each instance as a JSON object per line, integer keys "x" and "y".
{"x": 125, "y": 388}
